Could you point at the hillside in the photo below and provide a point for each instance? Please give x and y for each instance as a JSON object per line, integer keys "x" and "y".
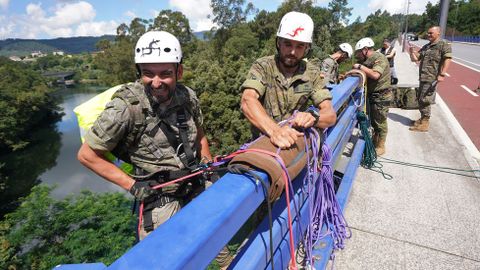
{"x": 72, "y": 45}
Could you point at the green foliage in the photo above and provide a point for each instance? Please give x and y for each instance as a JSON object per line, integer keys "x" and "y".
{"x": 174, "y": 22}
{"x": 465, "y": 17}
{"x": 24, "y": 103}
{"x": 44, "y": 232}
{"x": 71, "y": 45}
{"x": 116, "y": 62}
{"x": 228, "y": 13}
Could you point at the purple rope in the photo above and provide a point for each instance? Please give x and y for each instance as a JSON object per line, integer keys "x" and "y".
{"x": 324, "y": 209}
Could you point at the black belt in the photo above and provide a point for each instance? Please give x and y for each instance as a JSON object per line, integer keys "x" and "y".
{"x": 151, "y": 203}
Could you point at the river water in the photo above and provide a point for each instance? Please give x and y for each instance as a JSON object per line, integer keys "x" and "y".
{"x": 51, "y": 157}
{"x": 68, "y": 174}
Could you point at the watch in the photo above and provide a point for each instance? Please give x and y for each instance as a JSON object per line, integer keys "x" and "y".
{"x": 315, "y": 112}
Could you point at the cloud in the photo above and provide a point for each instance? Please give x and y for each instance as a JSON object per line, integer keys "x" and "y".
{"x": 130, "y": 14}
{"x": 6, "y": 27}
{"x": 66, "y": 18}
{"x": 417, "y": 6}
{"x": 96, "y": 28}
{"x": 4, "y": 4}
{"x": 196, "y": 11}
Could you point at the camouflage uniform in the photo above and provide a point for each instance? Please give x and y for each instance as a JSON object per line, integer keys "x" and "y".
{"x": 432, "y": 57}
{"x": 281, "y": 96}
{"x": 379, "y": 93}
{"x": 151, "y": 151}
{"x": 329, "y": 70}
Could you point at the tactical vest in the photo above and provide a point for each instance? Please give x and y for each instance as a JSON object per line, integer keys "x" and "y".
{"x": 147, "y": 121}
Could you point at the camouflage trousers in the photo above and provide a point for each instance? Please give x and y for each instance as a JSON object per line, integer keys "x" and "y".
{"x": 377, "y": 108}
{"x": 426, "y": 97}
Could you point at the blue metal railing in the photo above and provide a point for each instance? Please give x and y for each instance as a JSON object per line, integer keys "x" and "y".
{"x": 193, "y": 237}
{"x": 468, "y": 39}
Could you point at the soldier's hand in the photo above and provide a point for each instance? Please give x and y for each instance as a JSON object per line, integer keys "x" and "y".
{"x": 284, "y": 137}
{"x": 142, "y": 190}
{"x": 303, "y": 120}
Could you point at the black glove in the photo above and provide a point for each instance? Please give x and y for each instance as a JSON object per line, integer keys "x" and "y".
{"x": 142, "y": 190}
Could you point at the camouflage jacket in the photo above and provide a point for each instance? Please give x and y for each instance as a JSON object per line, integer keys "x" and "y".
{"x": 432, "y": 56}
{"x": 329, "y": 70}
{"x": 281, "y": 96}
{"x": 130, "y": 123}
{"x": 379, "y": 63}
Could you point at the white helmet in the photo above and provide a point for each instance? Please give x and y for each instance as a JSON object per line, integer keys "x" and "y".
{"x": 364, "y": 42}
{"x": 296, "y": 26}
{"x": 345, "y": 47}
{"x": 158, "y": 47}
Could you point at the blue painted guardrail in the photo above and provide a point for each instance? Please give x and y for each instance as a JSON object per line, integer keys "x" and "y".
{"x": 468, "y": 39}
{"x": 193, "y": 237}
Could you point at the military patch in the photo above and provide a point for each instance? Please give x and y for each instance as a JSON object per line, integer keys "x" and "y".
{"x": 302, "y": 88}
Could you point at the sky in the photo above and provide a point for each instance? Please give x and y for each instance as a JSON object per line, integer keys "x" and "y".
{"x": 44, "y": 19}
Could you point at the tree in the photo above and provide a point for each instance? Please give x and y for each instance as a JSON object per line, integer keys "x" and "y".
{"x": 175, "y": 23}
{"x": 340, "y": 11}
{"x": 228, "y": 13}
{"x": 117, "y": 63}
{"x": 44, "y": 232}
{"x": 25, "y": 102}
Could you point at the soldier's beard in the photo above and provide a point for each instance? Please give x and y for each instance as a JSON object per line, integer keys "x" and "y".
{"x": 289, "y": 61}
{"x": 162, "y": 94}
{"x": 361, "y": 58}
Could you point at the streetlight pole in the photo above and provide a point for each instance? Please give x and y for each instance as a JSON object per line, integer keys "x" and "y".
{"x": 406, "y": 27}
{"x": 443, "y": 16}
{"x": 456, "y": 22}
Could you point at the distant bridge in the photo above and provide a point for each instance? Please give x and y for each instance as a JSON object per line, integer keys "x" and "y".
{"x": 61, "y": 76}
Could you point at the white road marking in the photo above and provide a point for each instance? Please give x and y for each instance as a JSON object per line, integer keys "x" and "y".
{"x": 466, "y": 66}
{"x": 469, "y": 91}
{"x": 448, "y": 75}
{"x": 462, "y": 135}
{"x": 466, "y": 61}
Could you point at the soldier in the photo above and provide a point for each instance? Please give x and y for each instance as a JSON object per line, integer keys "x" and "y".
{"x": 155, "y": 124}
{"x": 379, "y": 95}
{"x": 330, "y": 64}
{"x": 389, "y": 51}
{"x": 277, "y": 85}
{"x": 434, "y": 58}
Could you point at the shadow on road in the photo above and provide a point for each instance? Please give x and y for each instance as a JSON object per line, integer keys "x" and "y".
{"x": 400, "y": 119}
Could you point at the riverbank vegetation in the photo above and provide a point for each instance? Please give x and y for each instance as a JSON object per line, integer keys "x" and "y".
{"x": 44, "y": 232}
{"x": 25, "y": 103}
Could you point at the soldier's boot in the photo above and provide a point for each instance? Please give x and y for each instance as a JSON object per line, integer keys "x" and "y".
{"x": 375, "y": 139}
{"x": 416, "y": 122}
{"x": 423, "y": 126}
{"x": 380, "y": 147}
